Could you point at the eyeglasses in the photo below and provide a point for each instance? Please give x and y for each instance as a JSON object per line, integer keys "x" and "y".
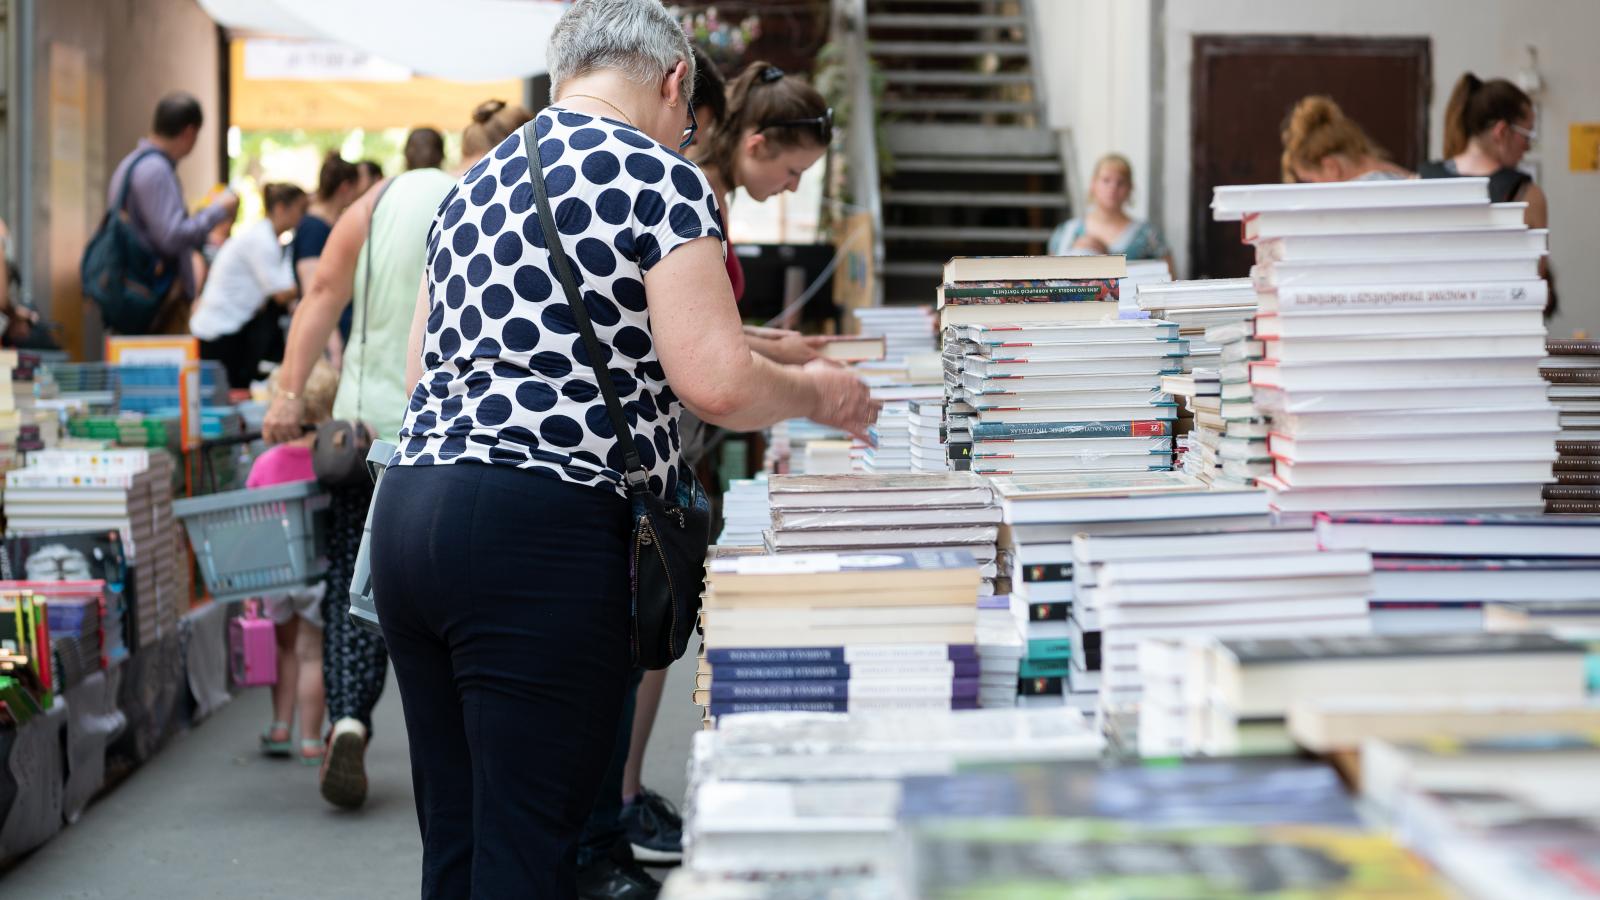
{"x": 823, "y": 124}
{"x": 1528, "y": 134}
{"x": 689, "y": 133}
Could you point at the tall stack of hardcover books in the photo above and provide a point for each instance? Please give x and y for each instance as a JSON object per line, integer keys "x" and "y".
{"x": 129, "y": 491}
{"x": 1195, "y": 306}
{"x": 840, "y": 632}
{"x": 1439, "y": 574}
{"x": 1573, "y": 370}
{"x": 906, "y": 511}
{"x": 1007, "y": 290}
{"x": 745, "y": 513}
{"x": 1043, "y": 514}
{"x": 1402, "y": 330}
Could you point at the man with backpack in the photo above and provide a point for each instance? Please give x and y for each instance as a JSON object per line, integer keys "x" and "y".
{"x": 139, "y": 267}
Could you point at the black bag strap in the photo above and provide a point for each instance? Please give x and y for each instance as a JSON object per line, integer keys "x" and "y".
{"x": 635, "y": 474}
{"x": 127, "y": 177}
{"x": 366, "y": 287}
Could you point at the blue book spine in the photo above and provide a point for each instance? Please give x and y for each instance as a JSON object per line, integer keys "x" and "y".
{"x": 729, "y": 691}
{"x": 734, "y": 706}
{"x": 838, "y": 671}
{"x": 1050, "y": 648}
{"x": 1022, "y": 430}
{"x": 819, "y": 655}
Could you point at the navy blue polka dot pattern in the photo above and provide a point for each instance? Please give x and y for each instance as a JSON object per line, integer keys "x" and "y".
{"x": 507, "y": 380}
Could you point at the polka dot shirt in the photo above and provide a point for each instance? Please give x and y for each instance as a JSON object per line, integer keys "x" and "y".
{"x": 506, "y": 380}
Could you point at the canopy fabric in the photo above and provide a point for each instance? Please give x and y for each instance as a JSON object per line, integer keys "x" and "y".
{"x": 462, "y": 40}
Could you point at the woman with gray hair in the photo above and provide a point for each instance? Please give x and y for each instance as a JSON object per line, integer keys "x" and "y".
{"x": 499, "y": 545}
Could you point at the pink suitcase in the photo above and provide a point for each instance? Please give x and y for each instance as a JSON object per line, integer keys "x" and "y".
{"x": 252, "y": 648}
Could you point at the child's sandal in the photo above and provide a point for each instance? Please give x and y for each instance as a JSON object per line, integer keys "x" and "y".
{"x": 270, "y": 745}
{"x": 311, "y": 752}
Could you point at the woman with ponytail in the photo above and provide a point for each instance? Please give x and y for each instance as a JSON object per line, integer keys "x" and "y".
{"x": 1488, "y": 128}
{"x": 1321, "y": 144}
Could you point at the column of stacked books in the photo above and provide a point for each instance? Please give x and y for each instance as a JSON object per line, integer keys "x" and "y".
{"x": 1452, "y": 574}
{"x": 745, "y": 513}
{"x": 20, "y": 422}
{"x": 906, "y": 330}
{"x": 129, "y": 491}
{"x": 1573, "y": 370}
{"x": 1195, "y": 306}
{"x": 1219, "y": 584}
{"x": 1240, "y": 452}
{"x": 926, "y": 435}
{"x": 840, "y": 632}
{"x": 1043, "y": 514}
{"x": 1195, "y": 446}
{"x": 888, "y": 444}
{"x": 1401, "y": 325}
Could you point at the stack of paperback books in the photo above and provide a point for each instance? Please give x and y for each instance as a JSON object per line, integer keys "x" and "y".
{"x": 926, "y": 429}
{"x": 1001, "y": 623}
{"x": 1407, "y": 314}
{"x": 802, "y": 447}
{"x": 1573, "y": 370}
{"x": 1240, "y": 690}
{"x": 796, "y": 797}
{"x": 836, "y": 632}
{"x": 129, "y": 491}
{"x": 906, "y": 331}
{"x": 863, "y": 512}
{"x": 1195, "y": 306}
{"x": 1439, "y": 574}
{"x": 1007, "y": 290}
{"x": 1140, "y": 273}
{"x": 1044, "y": 514}
{"x": 746, "y": 514}
{"x": 1065, "y": 398}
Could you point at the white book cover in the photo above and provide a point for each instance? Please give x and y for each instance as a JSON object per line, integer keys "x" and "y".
{"x": 1381, "y": 245}
{"x": 1448, "y": 293}
{"x": 1231, "y": 203}
{"x": 1396, "y": 271}
{"x": 1389, "y": 220}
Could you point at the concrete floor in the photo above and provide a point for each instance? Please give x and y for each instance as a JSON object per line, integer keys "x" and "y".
{"x": 210, "y": 817}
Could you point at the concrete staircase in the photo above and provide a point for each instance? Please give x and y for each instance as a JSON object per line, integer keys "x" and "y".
{"x": 976, "y": 169}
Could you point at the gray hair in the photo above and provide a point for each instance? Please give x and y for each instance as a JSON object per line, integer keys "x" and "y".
{"x": 638, "y": 38}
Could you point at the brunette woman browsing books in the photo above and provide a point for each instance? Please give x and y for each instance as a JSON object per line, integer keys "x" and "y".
{"x": 1106, "y": 227}
{"x": 500, "y": 539}
{"x": 1488, "y": 129}
{"x": 1320, "y": 143}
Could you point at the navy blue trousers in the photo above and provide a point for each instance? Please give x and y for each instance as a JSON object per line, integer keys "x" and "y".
{"x": 504, "y": 600}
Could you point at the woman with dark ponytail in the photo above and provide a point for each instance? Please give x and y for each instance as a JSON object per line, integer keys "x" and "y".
{"x": 1488, "y": 128}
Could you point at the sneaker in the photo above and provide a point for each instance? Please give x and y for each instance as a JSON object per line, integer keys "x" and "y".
{"x": 613, "y": 879}
{"x": 654, "y": 829}
{"x": 344, "y": 770}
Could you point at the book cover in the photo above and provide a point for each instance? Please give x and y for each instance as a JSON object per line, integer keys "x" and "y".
{"x": 859, "y": 653}
{"x": 1048, "y": 291}
{"x": 1033, "y": 268}
{"x": 943, "y": 668}
{"x": 1092, "y": 428}
{"x": 1261, "y": 651}
{"x": 858, "y": 704}
{"x": 731, "y": 691}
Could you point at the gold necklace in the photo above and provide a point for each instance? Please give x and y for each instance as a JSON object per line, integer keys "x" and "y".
{"x": 606, "y": 102}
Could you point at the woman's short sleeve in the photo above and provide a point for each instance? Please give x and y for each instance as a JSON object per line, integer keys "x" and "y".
{"x": 1147, "y": 244}
{"x": 673, "y": 209}
{"x": 1062, "y": 238}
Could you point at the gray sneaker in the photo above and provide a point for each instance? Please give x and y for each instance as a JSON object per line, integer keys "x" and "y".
{"x": 654, "y": 829}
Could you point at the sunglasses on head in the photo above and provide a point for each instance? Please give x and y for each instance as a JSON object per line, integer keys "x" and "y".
{"x": 823, "y": 124}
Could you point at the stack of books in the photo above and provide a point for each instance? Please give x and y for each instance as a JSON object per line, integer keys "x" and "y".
{"x": 1200, "y": 828}
{"x": 82, "y": 557}
{"x": 1044, "y": 514}
{"x": 1239, "y": 691}
{"x": 1195, "y": 306}
{"x": 1065, "y": 398}
{"x": 1501, "y": 817}
{"x": 1001, "y": 647}
{"x": 129, "y": 491}
{"x": 1439, "y": 574}
{"x": 906, "y": 331}
{"x": 861, "y": 512}
{"x": 20, "y": 422}
{"x": 925, "y": 426}
{"x": 1008, "y": 290}
{"x": 745, "y": 513}
{"x": 799, "y": 797}
{"x": 1140, "y": 272}
{"x": 838, "y": 632}
{"x": 1404, "y": 315}
{"x": 1573, "y": 370}
{"x": 801, "y": 446}
{"x": 74, "y": 611}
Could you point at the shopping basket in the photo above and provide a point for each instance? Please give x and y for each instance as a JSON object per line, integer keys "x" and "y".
{"x": 258, "y": 541}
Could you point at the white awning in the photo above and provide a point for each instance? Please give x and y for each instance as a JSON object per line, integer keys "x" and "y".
{"x": 460, "y": 40}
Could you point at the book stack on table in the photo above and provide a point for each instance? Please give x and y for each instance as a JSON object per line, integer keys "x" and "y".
{"x": 1195, "y": 306}
{"x": 20, "y": 421}
{"x": 804, "y": 799}
{"x": 925, "y": 427}
{"x": 839, "y": 632}
{"x": 75, "y": 612}
{"x": 1066, "y": 398}
{"x": 888, "y": 446}
{"x": 746, "y": 513}
{"x": 1043, "y": 514}
{"x": 1140, "y": 272}
{"x": 906, "y": 330}
{"x": 1402, "y": 338}
{"x": 1573, "y": 370}
{"x": 129, "y": 491}
{"x": 1441, "y": 574}
{"x": 801, "y": 446}
{"x": 861, "y": 513}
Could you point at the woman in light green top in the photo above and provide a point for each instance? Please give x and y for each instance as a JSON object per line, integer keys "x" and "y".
{"x": 375, "y": 255}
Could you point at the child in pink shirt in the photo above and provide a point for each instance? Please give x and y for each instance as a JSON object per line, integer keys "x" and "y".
{"x": 297, "y": 614}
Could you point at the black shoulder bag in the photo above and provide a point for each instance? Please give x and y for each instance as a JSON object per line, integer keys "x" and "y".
{"x": 339, "y": 454}
{"x": 121, "y": 273}
{"x": 668, "y": 552}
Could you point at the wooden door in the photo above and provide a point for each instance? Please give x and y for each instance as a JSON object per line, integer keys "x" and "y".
{"x": 1243, "y": 90}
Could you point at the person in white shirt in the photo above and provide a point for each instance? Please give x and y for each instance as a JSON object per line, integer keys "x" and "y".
{"x": 250, "y": 283}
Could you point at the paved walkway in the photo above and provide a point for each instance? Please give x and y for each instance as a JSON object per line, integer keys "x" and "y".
{"x": 210, "y": 817}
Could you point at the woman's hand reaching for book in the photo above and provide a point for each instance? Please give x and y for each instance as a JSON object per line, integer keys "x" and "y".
{"x": 843, "y": 400}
